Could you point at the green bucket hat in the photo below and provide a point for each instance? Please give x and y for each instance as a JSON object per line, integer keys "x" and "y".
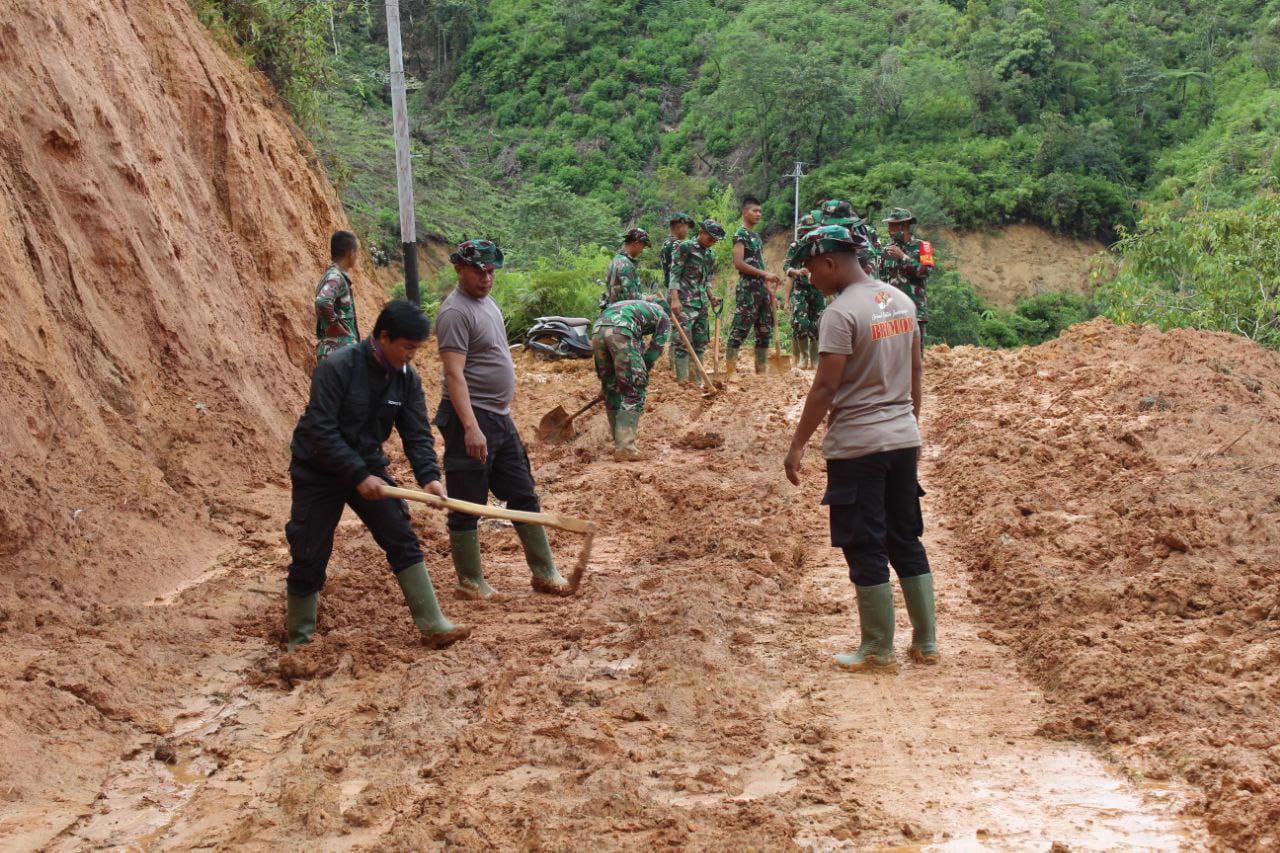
{"x": 715, "y": 229}
{"x": 828, "y": 239}
{"x": 637, "y": 234}
{"x": 477, "y": 253}
{"x": 681, "y": 217}
{"x": 808, "y": 222}
{"x": 838, "y": 212}
{"x": 899, "y": 214}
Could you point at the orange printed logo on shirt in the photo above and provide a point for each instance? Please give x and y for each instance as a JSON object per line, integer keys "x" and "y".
{"x": 890, "y": 328}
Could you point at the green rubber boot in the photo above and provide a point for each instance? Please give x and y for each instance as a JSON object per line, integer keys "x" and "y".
{"x": 762, "y": 360}
{"x": 813, "y": 353}
{"x": 875, "y": 620}
{"x": 624, "y": 437}
{"x": 537, "y": 553}
{"x": 464, "y": 547}
{"x": 437, "y": 631}
{"x": 918, "y": 592}
{"x": 681, "y": 360}
{"x": 612, "y": 414}
{"x": 300, "y": 618}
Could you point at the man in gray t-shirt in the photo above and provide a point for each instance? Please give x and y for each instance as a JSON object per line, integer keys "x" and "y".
{"x": 483, "y": 452}
{"x": 869, "y": 381}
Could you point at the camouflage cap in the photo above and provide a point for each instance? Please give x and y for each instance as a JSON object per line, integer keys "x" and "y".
{"x": 899, "y": 214}
{"x": 681, "y": 217}
{"x": 807, "y": 223}
{"x": 660, "y": 301}
{"x": 715, "y": 229}
{"x": 477, "y": 253}
{"x": 838, "y": 212}
{"x": 828, "y": 239}
{"x": 637, "y": 234}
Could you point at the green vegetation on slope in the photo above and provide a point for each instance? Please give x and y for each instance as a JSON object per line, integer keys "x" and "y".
{"x": 553, "y": 125}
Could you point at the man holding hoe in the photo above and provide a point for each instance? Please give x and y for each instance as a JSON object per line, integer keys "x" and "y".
{"x": 869, "y": 380}
{"x": 358, "y": 394}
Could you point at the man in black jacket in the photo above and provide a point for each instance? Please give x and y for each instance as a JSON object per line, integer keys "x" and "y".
{"x": 357, "y": 395}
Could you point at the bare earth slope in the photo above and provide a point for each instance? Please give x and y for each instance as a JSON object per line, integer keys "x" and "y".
{"x": 1118, "y": 494}
{"x": 160, "y": 222}
{"x": 159, "y": 230}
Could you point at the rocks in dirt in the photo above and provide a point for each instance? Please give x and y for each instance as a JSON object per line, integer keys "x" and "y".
{"x": 698, "y": 440}
{"x": 164, "y": 752}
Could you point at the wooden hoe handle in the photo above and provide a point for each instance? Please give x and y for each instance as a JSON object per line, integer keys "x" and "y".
{"x": 546, "y": 519}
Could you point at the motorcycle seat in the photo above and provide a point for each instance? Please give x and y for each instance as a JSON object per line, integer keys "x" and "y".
{"x": 569, "y": 321}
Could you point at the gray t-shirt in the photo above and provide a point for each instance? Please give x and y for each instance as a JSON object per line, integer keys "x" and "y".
{"x": 474, "y": 328}
{"x": 875, "y": 325}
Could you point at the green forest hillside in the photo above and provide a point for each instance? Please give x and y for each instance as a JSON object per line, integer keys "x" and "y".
{"x": 554, "y": 124}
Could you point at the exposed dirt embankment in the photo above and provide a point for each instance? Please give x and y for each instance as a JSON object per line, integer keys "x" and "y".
{"x": 1122, "y": 493}
{"x": 160, "y": 227}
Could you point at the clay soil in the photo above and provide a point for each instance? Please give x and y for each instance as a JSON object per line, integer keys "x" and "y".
{"x": 1103, "y": 535}
{"x": 1117, "y": 496}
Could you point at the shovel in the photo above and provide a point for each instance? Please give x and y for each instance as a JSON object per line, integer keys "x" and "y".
{"x": 710, "y": 387}
{"x": 716, "y": 376}
{"x": 777, "y": 359}
{"x": 556, "y": 426}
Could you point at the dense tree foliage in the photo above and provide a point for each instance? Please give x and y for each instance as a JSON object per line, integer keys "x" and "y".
{"x": 555, "y": 124}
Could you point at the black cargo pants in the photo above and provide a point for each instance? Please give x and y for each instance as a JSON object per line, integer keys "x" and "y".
{"x": 875, "y": 515}
{"x": 318, "y": 499}
{"x": 505, "y": 471}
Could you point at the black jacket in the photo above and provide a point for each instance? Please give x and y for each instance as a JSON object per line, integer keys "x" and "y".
{"x": 354, "y": 404}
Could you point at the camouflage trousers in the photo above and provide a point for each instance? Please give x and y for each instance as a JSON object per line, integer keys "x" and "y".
{"x": 696, "y": 323}
{"x": 620, "y": 364}
{"x": 919, "y": 293}
{"x": 753, "y": 311}
{"x": 807, "y": 305}
{"x": 329, "y": 346}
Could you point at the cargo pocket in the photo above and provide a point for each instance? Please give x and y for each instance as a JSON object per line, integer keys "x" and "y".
{"x": 301, "y": 546}
{"x": 919, "y": 526}
{"x": 846, "y": 516}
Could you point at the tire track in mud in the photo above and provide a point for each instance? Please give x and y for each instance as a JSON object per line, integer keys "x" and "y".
{"x": 685, "y": 697}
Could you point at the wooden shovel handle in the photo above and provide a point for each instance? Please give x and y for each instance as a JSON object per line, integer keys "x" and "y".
{"x": 587, "y": 406}
{"x": 546, "y": 519}
{"x": 706, "y": 381}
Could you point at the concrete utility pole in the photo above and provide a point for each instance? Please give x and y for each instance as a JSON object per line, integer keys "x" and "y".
{"x": 404, "y": 167}
{"x": 797, "y": 173}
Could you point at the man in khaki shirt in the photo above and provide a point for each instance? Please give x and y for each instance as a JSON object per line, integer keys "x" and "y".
{"x": 869, "y": 381}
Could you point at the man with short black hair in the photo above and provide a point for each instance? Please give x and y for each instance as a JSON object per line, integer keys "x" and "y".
{"x": 358, "y": 395}
{"x": 335, "y": 303}
{"x": 679, "y": 224}
{"x": 754, "y": 298}
{"x": 483, "y": 452}
{"x": 689, "y": 293}
{"x": 622, "y": 282}
{"x": 869, "y": 381}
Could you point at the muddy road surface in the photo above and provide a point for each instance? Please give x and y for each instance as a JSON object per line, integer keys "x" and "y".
{"x": 685, "y": 697}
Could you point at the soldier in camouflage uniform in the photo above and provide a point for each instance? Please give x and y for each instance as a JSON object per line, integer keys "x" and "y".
{"x": 837, "y": 212}
{"x": 623, "y": 279}
{"x": 806, "y": 300}
{"x": 335, "y": 303}
{"x": 679, "y": 223}
{"x": 689, "y": 292}
{"x": 623, "y": 363}
{"x": 907, "y": 263}
{"x": 753, "y": 299}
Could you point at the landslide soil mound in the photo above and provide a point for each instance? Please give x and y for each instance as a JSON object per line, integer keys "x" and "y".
{"x": 160, "y": 223}
{"x": 1119, "y": 497}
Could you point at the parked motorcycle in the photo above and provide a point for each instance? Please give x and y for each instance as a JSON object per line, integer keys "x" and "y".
{"x": 555, "y": 338}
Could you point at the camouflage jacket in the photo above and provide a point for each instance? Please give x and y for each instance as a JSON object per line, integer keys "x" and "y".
{"x": 909, "y": 270}
{"x": 753, "y": 250}
{"x": 692, "y": 266}
{"x": 623, "y": 279}
{"x": 664, "y": 257}
{"x": 875, "y": 252}
{"x": 638, "y": 318}
{"x": 335, "y": 312}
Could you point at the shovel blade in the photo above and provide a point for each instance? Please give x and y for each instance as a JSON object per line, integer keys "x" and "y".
{"x": 556, "y": 426}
